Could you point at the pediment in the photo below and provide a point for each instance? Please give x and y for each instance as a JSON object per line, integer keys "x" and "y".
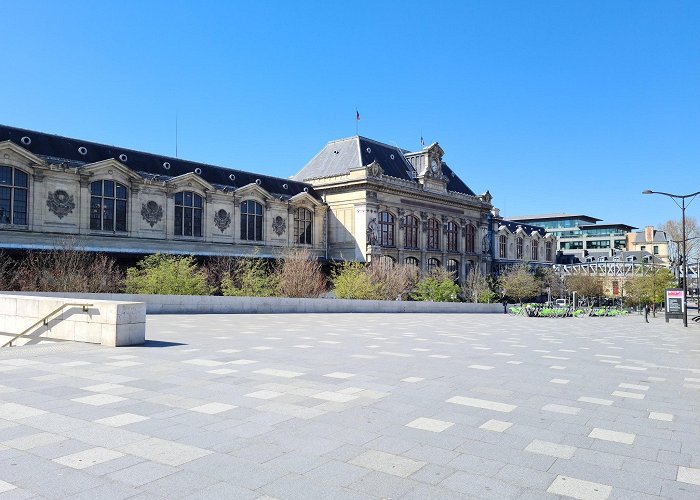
{"x": 253, "y": 189}
{"x": 186, "y": 180}
{"x": 303, "y": 197}
{"x": 9, "y": 147}
{"x": 110, "y": 164}
{"x": 503, "y": 229}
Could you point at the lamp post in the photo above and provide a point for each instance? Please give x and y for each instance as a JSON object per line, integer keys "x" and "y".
{"x": 682, "y": 206}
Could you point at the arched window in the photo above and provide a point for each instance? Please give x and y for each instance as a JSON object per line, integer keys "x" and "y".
{"x": 386, "y": 229}
{"x": 188, "y": 214}
{"x": 433, "y": 234}
{"x": 535, "y": 250}
{"x": 14, "y": 185}
{"x": 303, "y": 219}
{"x": 451, "y": 233}
{"x": 471, "y": 239}
{"x": 453, "y": 268}
{"x": 387, "y": 260}
{"x": 548, "y": 250}
{"x": 519, "y": 248}
{"x": 502, "y": 246}
{"x": 433, "y": 263}
{"x": 411, "y": 232}
{"x": 107, "y": 206}
{"x": 251, "y": 221}
{"x": 412, "y": 261}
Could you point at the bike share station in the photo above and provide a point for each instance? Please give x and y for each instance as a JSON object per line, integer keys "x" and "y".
{"x": 675, "y": 303}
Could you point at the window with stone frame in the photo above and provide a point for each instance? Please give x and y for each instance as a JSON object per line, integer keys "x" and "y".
{"x": 548, "y": 250}
{"x": 433, "y": 234}
{"x": 502, "y": 246}
{"x": 451, "y": 233}
{"x": 433, "y": 263}
{"x": 519, "y": 248}
{"x": 412, "y": 261}
{"x": 386, "y": 229}
{"x": 535, "y": 250}
{"x": 251, "y": 221}
{"x": 14, "y": 188}
{"x": 303, "y": 222}
{"x": 470, "y": 242}
{"x": 188, "y": 214}
{"x": 411, "y": 232}
{"x": 108, "y": 206}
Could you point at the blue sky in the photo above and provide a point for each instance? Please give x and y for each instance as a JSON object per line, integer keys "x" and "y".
{"x": 553, "y": 106}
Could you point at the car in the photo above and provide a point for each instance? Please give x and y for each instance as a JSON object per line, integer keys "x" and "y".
{"x": 560, "y": 302}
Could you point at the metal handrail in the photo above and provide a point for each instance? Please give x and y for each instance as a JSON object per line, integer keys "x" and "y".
{"x": 45, "y": 321}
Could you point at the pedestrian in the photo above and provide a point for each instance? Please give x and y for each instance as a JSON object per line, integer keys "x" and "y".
{"x": 646, "y": 313}
{"x": 505, "y": 305}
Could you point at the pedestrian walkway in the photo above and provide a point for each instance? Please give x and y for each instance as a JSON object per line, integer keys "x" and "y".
{"x": 408, "y": 406}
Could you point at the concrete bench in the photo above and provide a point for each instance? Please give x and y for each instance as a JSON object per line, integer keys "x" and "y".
{"x": 107, "y": 322}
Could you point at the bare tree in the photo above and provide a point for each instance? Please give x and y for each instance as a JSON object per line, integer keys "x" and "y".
{"x": 519, "y": 283}
{"x": 7, "y": 271}
{"x": 478, "y": 288}
{"x": 393, "y": 281}
{"x": 674, "y": 232}
{"x": 300, "y": 275}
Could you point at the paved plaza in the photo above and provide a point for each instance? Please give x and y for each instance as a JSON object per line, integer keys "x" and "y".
{"x": 410, "y": 406}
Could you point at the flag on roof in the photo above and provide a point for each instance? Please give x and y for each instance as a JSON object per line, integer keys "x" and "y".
{"x": 357, "y": 115}
{"x": 422, "y": 142}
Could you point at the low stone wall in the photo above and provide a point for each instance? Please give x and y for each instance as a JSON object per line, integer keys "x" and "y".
{"x": 197, "y": 304}
{"x": 107, "y": 322}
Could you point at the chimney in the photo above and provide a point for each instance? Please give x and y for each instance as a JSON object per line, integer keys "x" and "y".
{"x": 649, "y": 234}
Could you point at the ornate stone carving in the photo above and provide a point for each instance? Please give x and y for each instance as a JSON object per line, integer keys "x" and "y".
{"x": 374, "y": 169}
{"x": 222, "y": 220}
{"x": 151, "y": 212}
{"x": 60, "y": 203}
{"x": 279, "y": 226}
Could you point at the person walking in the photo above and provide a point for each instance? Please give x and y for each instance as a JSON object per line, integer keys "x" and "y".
{"x": 646, "y": 313}
{"x": 505, "y": 306}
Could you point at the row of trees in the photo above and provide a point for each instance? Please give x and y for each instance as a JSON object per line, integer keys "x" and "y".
{"x": 299, "y": 274}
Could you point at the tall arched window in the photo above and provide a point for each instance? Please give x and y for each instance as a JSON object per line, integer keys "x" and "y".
{"x": 386, "y": 229}
{"x": 502, "y": 246}
{"x": 412, "y": 261}
{"x": 535, "y": 250}
{"x": 188, "y": 214}
{"x": 387, "y": 260}
{"x": 107, "y": 206}
{"x": 14, "y": 185}
{"x": 433, "y": 263}
{"x": 519, "y": 248}
{"x": 411, "y": 232}
{"x": 451, "y": 233}
{"x": 251, "y": 221}
{"x": 303, "y": 220}
{"x": 548, "y": 250}
{"x": 433, "y": 234}
{"x": 471, "y": 239}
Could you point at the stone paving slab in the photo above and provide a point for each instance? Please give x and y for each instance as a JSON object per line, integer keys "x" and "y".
{"x": 358, "y": 406}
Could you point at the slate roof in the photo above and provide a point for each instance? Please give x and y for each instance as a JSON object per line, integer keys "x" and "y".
{"x": 659, "y": 237}
{"x": 339, "y": 156}
{"x": 58, "y": 149}
{"x": 528, "y": 228}
{"x": 625, "y": 227}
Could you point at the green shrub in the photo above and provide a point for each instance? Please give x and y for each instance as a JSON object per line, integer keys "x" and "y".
{"x": 352, "y": 281}
{"x": 251, "y": 278}
{"x": 168, "y": 275}
{"x": 437, "y": 286}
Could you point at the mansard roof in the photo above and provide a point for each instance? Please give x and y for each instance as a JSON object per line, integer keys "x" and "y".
{"x": 528, "y": 228}
{"x": 338, "y": 157}
{"x": 77, "y": 153}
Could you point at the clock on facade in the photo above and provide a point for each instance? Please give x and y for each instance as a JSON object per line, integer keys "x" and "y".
{"x": 434, "y": 166}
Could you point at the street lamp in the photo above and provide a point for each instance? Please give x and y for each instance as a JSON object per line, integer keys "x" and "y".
{"x": 682, "y": 206}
